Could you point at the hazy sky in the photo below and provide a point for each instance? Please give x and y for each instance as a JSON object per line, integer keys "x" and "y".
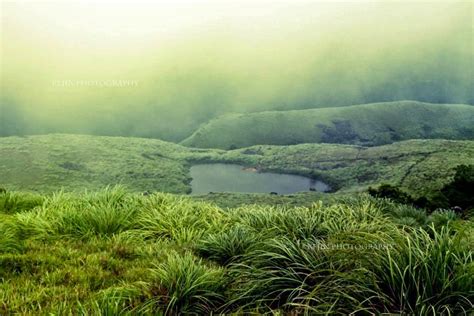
{"x": 160, "y": 68}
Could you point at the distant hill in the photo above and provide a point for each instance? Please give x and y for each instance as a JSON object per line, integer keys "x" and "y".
{"x": 77, "y": 162}
{"x": 367, "y": 124}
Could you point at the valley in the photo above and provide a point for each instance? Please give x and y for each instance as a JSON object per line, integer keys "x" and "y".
{"x": 77, "y": 162}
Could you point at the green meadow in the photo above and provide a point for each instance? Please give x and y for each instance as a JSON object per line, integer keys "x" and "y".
{"x": 78, "y": 162}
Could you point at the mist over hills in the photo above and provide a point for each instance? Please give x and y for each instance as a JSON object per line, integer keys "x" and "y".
{"x": 223, "y": 59}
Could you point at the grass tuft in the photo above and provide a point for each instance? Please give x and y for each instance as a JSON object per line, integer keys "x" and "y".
{"x": 186, "y": 285}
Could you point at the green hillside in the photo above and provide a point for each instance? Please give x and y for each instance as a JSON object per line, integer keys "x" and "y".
{"x": 77, "y": 162}
{"x": 417, "y": 165}
{"x": 367, "y": 124}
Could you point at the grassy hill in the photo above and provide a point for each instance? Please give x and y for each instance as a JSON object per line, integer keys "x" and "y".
{"x": 417, "y": 165}
{"x": 366, "y": 124}
{"x": 115, "y": 253}
{"x": 77, "y": 162}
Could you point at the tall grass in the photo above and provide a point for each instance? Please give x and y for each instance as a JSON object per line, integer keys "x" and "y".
{"x": 187, "y": 285}
{"x": 442, "y": 218}
{"x": 296, "y": 222}
{"x": 426, "y": 273}
{"x": 293, "y": 276}
{"x": 14, "y": 202}
{"x": 9, "y": 237}
{"x": 112, "y": 252}
{"x": 319, "y": 220}
{"x": 228, "y": 245}
{"x": 103, "y": 214}
{"x": 178, "y": 219}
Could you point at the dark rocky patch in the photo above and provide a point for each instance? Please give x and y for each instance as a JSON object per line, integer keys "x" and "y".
{"x": 253, "y": 151}
{"x": 341, "y": 132}
{"x": 72, "y": 166}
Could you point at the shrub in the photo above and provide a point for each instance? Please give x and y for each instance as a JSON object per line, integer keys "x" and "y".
{"x": 390, "y": 192}
{"x": 442, "y": 218}
{"x": 459, "y": 191}
{"x": 407, "y": 215}
{"x": 407, "y": 221}
{"x": 455, "y": 193}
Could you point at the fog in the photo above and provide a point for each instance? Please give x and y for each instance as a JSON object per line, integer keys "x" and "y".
{"x": 160, "y": 69}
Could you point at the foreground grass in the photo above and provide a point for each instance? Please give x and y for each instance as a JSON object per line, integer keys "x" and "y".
{"x": 112, "y": 252}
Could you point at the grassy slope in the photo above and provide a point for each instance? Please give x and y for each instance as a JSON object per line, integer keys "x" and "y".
{"x": 74, "y": 162}
{"x": 367, "y": 124}
{"x": 50, "y": 162}
{"x": 418, "y": 165}
{"x": 113, "y": 253}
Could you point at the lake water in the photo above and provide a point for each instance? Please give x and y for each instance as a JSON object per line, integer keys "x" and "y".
{"x": 218, "y": 177}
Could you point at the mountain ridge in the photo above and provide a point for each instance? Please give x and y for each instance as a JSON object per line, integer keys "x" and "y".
{"x": 363, "y": 124}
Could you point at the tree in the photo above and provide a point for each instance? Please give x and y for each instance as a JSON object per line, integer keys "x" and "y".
{"x": 459, "y": 192}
